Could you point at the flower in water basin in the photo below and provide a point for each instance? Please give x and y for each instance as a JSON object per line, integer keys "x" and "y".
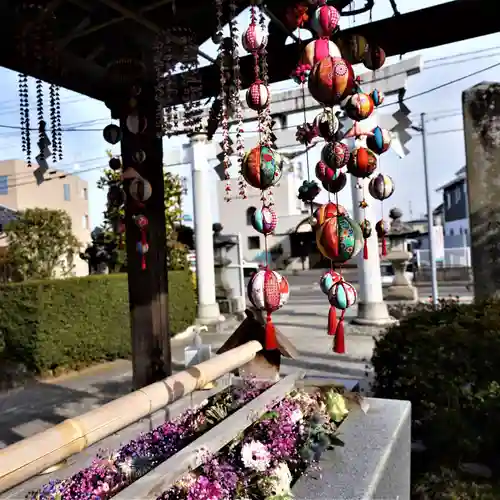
{"x": 204, "y": 489}
{"x": 278, "y": 483}
{"x": 256, "y": 456}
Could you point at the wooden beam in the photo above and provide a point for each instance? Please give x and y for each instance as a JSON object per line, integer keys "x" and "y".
{"x": 396, "y": 35}
{"x": 129, "y": 14}
{"x": 148, "y": 288}
{"x": 153, "y": 484}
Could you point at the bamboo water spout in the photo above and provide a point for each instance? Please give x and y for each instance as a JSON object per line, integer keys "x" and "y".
{"x": 32, "y": 455}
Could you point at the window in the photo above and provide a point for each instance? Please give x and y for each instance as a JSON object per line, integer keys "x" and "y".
{"x": 85, "y": 194}
{"x": 458, "y": 194}
{"x": 461, "y": 230}
{"x": 67, "y": 194}
{"x": 4, "y": 184}
{"x": 250, "y": 212}
{"x": 448, "y": 199}
{"x": 85, "y": 221}
{"x": 452, "y": 233}
{"x": 254, "y": 242}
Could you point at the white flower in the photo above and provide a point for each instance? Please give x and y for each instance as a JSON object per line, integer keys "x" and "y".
{"x": 255, "y": 455}
{"x": 125, "y": 467}
{"x": 278, "y": 483}
{"x": 296, "y": 416}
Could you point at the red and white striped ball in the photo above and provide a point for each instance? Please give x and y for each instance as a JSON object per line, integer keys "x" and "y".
{"x": 254, "y": 38}
{"x": 257, "y": 96}
{"x": 268, "y": 290}
{"x": 264, "y": 220}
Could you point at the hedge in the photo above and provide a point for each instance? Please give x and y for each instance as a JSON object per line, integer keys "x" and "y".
{"x": 446, "y": 362}
{"x": 72, "y": 323}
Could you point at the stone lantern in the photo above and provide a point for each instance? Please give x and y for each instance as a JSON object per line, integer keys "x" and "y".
{"x": 399, "y": 256}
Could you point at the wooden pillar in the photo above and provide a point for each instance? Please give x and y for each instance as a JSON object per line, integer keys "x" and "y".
{"x": 148, "y": 288}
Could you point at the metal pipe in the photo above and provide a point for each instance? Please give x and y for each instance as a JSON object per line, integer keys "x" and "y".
{"x": 25, "y": 459}
{"x": 430, "y": 218}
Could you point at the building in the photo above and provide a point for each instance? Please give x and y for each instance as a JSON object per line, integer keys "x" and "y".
{"x": 456, "y": 210}
{"x": 235, "y": 217}
{"x": 19, "y": 191}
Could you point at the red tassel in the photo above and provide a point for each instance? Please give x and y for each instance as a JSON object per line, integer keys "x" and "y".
{"x": 339, "y": 340}
{"x": 332, "y": 321}
{"x": 384, "y": 246}
{"x": 144, "y": 242}
{"x": 271, "y": 342}
{"x": 365, "y": 250}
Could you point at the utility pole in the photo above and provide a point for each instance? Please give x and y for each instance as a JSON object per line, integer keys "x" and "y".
{"x": 430, "y": 217}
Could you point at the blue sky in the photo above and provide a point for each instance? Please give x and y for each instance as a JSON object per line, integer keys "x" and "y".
{"x": 86, "y": 150}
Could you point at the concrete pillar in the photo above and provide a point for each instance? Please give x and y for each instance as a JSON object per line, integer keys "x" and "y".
{"x": 481, "y": 110}
{"x": 208, "y": 309}
{"x": 372, "y": 310}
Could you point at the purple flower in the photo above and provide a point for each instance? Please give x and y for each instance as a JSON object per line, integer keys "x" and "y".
{"x": 204, "y": 489}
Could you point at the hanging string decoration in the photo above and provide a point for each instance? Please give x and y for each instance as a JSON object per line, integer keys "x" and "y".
{"x": 236, "y": 104}
{"x": 327, "y": 67}
{"x": 268, "y": 291}
{"x": 142, "y": 246}
{"x": 36, "y": 47}
{"x": 192, "y": 88}
{"x": 261, "y": 168}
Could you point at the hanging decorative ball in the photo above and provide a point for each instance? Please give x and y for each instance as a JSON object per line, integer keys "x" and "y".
{"x": 379, "y": 141}
{"x": 339, "y": 238}
{"x": 324, "y": 172}
{"x": 331, "y": 81}
{"x": 325, "y": 20}
{"x": 268, "y": 291}
{"x": 140, "y": 189}
{"x": 328, "y": 211}
{"x": 313, "y": 222}
{"x": 136, "y": 124}
{"x": 142, "y": 248}
{"x": 374, "y": 57}
{"x": 254, "y": 38}
{"x": 381, "y": 187}
{"x": 359, "y": 106}
{"x": 336, "y": 184}
{"x": 327, "y": 125}
{"x": 308, "y": 191}
{"x": 112, "y": 134}
{"x": 139, "y": 156}
{"x": 328, "y": 279}
{"x": 378, "y": 97}
{"x": 261, "y": 167}
{"x": 257, "y": 96}
{"x": 317, "y": 50}
{"x": 115, "y": 163}
{"x": 353, "y": 48}
{"x": 366, "y": 228}
{"x": 342, "y": 295}
{"x": 362, "y": 162}
{"x": 141, "y": 221}
{"x": 335, "y": 154}
{"x": 264, "y": 220}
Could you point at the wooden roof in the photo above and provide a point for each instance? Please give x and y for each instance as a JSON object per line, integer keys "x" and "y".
{"x": 90, "y": 34}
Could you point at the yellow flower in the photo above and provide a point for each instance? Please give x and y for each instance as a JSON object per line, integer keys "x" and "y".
{"x": 336, "y": 406}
